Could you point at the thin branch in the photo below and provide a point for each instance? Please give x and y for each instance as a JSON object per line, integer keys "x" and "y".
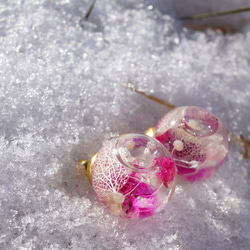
{"x": 246, "y": 144}
{"x": 90, "y": 10}
{"x": 213, "y": 14}
{"x": 155, "y": 99}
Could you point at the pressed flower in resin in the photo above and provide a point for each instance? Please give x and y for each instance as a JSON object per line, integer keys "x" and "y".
{"x": 133, "y": 176}
{"x": 197, "y": 140}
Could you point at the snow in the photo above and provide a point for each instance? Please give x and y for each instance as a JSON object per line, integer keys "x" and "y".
{"x": 63, "y": 91}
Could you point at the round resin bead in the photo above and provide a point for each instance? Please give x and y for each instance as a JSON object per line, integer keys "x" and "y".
{"x": 133, "y": 176}
{"x": 197, "y": 140}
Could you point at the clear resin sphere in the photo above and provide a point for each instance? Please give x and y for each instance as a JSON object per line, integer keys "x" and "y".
{"x": 133, "y": 176}
{"x": 197, "y": 140}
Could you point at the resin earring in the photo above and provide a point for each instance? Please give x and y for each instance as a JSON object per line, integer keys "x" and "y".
{"x": 196, "y": 139}
{"x": 132, "y": 175}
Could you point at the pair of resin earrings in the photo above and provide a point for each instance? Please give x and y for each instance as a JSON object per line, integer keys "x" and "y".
{"x": 134, "y": 175}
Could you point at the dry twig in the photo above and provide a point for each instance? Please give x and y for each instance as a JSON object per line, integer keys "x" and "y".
{"x": 213, "y": 14}
{"x": 90, "y": 10}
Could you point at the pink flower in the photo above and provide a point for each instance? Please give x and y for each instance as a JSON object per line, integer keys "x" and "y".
{"x": 167, "y": 172}
{"x": 190, "y": 152}
{"x": 140, "y": 200}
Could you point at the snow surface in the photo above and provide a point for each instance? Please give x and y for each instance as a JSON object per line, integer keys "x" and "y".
{"x": 63, "y": 92}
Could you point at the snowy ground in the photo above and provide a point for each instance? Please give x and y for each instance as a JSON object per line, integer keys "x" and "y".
{"x": 63, "y": 92}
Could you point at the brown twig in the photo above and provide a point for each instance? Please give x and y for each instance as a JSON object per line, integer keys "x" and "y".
{"x": 213, "y": 14}
{"x": 246, "y": 144}
{"x": 90, "y": 10}
{"x": 155, "y": 99}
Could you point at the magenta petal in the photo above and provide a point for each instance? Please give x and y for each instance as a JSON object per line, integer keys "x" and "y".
{"x": 139, "y": 200}
{"x": 167, "y": 172}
